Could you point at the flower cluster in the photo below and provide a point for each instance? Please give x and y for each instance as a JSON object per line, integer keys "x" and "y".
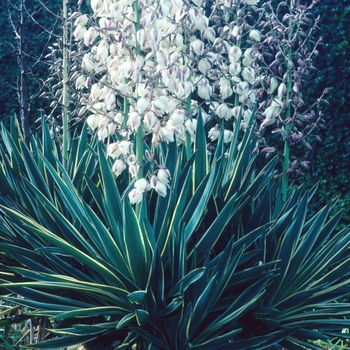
{"x": 150, "y": 65}
{"x": 288, "y": 49}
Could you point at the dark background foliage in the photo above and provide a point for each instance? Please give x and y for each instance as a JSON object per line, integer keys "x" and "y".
{"x": 330, "y": 160}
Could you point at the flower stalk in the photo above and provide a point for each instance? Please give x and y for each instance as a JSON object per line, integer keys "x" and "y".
{"x": 65, "y": 79}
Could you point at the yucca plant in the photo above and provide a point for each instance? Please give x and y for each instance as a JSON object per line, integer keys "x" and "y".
{"x": 221, "y": 262}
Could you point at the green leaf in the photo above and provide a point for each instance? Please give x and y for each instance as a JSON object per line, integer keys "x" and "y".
{"x": 137, "y": 297}
{"x": 135, "y": 247}
{"x": 126, "y": 320}
{"x": 182, "y": 285}
{"x": 62, "y": 342}
{"x": 200, "y": 149}
{"x": 142, "y": 317}
{"x": 91, "y": 312}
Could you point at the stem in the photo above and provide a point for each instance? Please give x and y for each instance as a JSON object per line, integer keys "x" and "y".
{"x": 140, "y": 148}
{"x": 65, "y": 92}
{"x": 188, "y": 143}
{"x": 286, "y": 152}
{"x": 23, "y": 95}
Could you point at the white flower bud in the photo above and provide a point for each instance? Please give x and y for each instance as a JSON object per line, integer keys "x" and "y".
{"x": 89, "y": 36}
{"x": 113, "y": 150}
{"x": 248, "y": 75}
{"x": 282, "y": 89}
{"x": 223, "y": 111}
{"x": 235, "y": 53}
{"x": 93, "y": 120}
{"x": 273, "y": 85}
{"x": 81, "y": 20}
{"x": 204, "y": 66}
{"x": 79, "y": 32}
{"x": 134, "y": 169}
{"x": 95, "y": 92}
{"x": 86, "y": 64}
{"x": 191, "y": 126}
{"x": 142, "y": 185}
{"x": 228, "y": 136}
{"x": 80, "y": 82}
{"x": 161, "y": 189}
{"x": 134, "y": 196}
{"x": 197, "y": 47}
{"x": 210, "y": 34}
{"x": 254, "y": 35}
{"x": 118, "y": 167}
{"x": 214, "y": 134}
{"x": 163, "y": 176}
{"x": 143, "y": 105}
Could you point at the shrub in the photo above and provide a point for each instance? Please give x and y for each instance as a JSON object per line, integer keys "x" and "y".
{"x": 221, "y": 262}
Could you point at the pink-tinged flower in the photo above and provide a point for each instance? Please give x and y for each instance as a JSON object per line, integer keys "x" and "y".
{"x": 95, "y": 92}
{"x": 204, "y": 90}
{"x": 161, "y": 189}
{"x": 162, "y": 58}
{"x": 149, "y": 121}
{"x": 102, "y": 50}
{"x": 81, "y": 20}
{"x": 86, "y": 64}
{"x": 90, "y": 36}
{"x": 134, "y": 196}
{"x": 184, "y": 89}
{"x": 225, "y": 88}
{"x": 143, "y": 105}
{"x": 223, "y": 111}
{"x": 80, "y": 82}
{"x": 268, "y": 150}
{"x": 248, "y": 75}
{"x": 209, "y": 33}
{"x": 271, "y": 113}
{"x": 197, "y": 47}
{"x": 251, "y": 2}
{"x": 134, "y": 120}
{"x": 93, "y": 121}
{"x": 248, "y": 57}
{"x": 118, "y": 167}
{"x": 204, "y": 66}
{"x": 177, "y": 117}
{"x": 110, "y": 101}
{"x": 273, "y": 85}
{"x": 102, "y": 134}
{"x": 154, "y": 38}
{"x": 163, "y": 176}
{"x": 113, "y": 150}
{"x": 96, "y": 5}
{"x": 166, "y": 134}
{"x": 116, "y": 9}
{"x": 235, "y": 53}
{"x": 228, "y": 136}
{"x": 200, "y": 23}
{"x": 125, "y": 147}
{"x": 237, "y": 111}
{"x": 214, "y": 133}
{"x": 111, "y": 128}
{"x": 282, "y": 89}
{"x": 235, "y": 68}
{"x": 79, "y": 32}
{"x": 134, "y": 169}
{"x": 254, "y": 35}
{"x": 242, "y": 89}
{"x": 236, "y": 31}
{"x": 191, "y": 126}
{"x": 142, "y": 185}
